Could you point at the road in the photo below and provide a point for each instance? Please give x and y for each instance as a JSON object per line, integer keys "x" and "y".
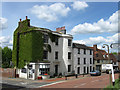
{"x": 81, "y": 82}
{"x": 87, "y": 82}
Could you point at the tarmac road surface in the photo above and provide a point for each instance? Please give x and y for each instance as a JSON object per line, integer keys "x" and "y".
{"x": 88, "y": 82}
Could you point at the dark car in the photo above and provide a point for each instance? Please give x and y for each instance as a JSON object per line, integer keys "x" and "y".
{"x": 95, "y": 73}
{"x": 115, "y": 71}
{"x": 107, "y": 71}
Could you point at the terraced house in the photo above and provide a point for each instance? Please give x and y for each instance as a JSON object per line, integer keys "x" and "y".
{"x": 99, "y": 57}
{"x": 38, "y": 51}
{"x": 82, "y": 59}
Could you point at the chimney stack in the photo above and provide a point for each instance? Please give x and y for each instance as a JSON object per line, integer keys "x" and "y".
{"x": 20, "y": 19}
{"x": 26, "y": 17}
{"x": 95, "y": 47}
{"x": 61, "y": 29}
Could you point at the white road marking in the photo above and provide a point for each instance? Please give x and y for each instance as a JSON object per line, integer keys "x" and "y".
{"x": 94, "y": 80}
{"x": 51, "y": 84}
{"x": 23, "y": 82}
{"x": 80, "y": 85}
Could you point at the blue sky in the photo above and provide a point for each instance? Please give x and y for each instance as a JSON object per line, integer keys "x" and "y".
{"x": 72, "y": 15}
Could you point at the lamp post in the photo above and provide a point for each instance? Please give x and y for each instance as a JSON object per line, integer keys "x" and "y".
{"x": 108, "y": 59}
{"x": 118, "y": 56}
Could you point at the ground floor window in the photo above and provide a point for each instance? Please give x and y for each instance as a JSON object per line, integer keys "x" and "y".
{"x": 44, "y": 69}
{"x": 23, "y": 70}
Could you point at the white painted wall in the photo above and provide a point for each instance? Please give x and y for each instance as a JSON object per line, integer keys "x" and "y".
{"x": 82, "y": 56}
{"x": 63, "y": 50}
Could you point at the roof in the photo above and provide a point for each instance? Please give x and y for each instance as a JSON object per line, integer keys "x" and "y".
{"x": 117, "y": 57}
{"x": 99, "y": 54}
{"x": 82, "y": 46}
{"x": 112, "y": 57}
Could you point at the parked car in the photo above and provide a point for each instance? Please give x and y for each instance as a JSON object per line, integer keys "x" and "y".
{"x": 95, "y": 73}
{"x": 115, "y": 71}
{"x": 107, "y": 71}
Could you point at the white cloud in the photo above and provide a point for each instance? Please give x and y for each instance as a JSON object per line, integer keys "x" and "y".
{"x": 110, "y": 25}
{"x": 78, "y": 5}
{"x": 6, "y": 41}
{"x": 50, "y": 13}
{"x": 99, "y": 40}
{"x": 3, "y": 23}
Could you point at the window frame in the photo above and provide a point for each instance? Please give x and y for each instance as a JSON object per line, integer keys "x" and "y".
{"x": 78, "y": 50}
{"x": 78, "y": 61}
{"x": 69, "y": 55}
{"x": 69, "y": 68}
{"x": 69, "y": 42}
{"x": 56, "y": 55}
{"x": 45, "y": 55}
{"x": 84, "y": 60}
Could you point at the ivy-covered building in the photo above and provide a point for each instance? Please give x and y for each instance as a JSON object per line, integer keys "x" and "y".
{"x": 38, "y": 51}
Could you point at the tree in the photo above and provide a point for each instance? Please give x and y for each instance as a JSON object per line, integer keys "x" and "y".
{"x": 6, "y": 57}
{"x": 115, "y": 53}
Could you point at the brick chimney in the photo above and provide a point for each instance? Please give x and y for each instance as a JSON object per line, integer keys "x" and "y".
{"x": 27, "y": 21}
{"x": 61, "y": 29}
{"x": 95, "y": 47}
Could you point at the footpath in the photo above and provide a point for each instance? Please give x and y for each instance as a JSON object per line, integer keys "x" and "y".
{"x": 56, "y": 79}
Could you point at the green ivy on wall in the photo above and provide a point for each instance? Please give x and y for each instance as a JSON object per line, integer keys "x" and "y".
{"x": 28, "y": 46}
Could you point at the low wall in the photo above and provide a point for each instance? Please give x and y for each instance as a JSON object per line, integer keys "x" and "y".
{"x": 7, "y": 72}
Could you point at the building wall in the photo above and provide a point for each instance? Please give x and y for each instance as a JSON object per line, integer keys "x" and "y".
{"x": 82, "y": 56}
{"x": 100, "y": 63}
{"x": 62, "y": 60}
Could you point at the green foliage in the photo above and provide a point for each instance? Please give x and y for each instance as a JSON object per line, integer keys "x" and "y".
{"x": 29, "y": 45}
{"x": 116, "y": 87}
{"x": 115, "y": 53}
{"x": 6, "y": 57}
{"x": 37, "y": 46}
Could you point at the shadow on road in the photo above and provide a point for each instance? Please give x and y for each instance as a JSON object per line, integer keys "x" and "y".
{"x": 11, "y": 87}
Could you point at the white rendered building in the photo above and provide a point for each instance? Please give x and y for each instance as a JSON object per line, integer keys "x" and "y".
{"x": 82, "y": 59}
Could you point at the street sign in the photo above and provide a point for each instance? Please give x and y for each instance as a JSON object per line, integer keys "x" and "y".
{"x": 107, "y": 66}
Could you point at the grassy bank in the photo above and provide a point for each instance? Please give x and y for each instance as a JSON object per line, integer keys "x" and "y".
{"x": 116, "y": 87}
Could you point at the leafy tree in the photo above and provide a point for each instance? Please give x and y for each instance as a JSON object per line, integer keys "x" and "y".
{"x": 115, "y": 53}
{"x": 6, "y": 57}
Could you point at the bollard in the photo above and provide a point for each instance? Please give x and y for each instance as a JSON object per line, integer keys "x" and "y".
{"x": 76, "y": 75}
{"x": 113, "y": 83}
{"x": 83, "y": 74}
{"x": 65, "y": 77}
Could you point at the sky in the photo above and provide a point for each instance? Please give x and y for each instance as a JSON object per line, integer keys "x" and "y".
{"x": 89, "y": 22}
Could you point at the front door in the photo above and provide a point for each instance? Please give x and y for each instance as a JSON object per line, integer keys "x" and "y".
{"x": 56, "y": 69}
{"x": 78, "y": 70}
{"x": 87, "y": 70}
